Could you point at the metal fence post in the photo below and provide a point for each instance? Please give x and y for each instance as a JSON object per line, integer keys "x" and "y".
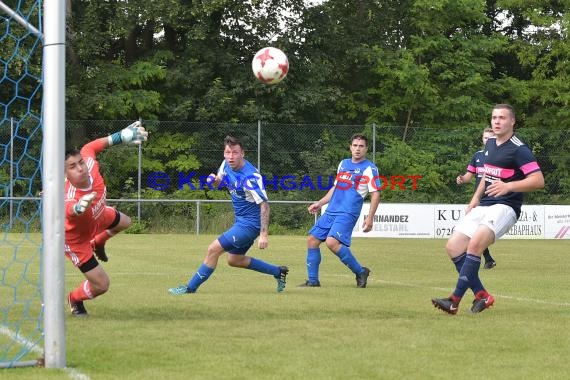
{"x": 139, "y": 184}
{"x": 374, "y": 143}
{"x": 139, "y": 181}
{"x": 197, "y": 217}
{"x": 11, "y": 189}
{"x": 259, "y": 145}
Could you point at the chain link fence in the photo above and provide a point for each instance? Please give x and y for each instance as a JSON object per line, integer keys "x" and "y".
{"x": 161, "y": 184}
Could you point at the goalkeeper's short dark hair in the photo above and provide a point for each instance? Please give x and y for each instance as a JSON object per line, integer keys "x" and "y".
{"x": 71, "y": 153}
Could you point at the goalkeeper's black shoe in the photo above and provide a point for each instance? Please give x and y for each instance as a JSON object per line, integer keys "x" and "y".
{"x": 490, "y": 264}
{"x": 362, "y": 278}
{"x": 77, "y": 308}
{"x": 446, "y": 304}
{"x": 99, "y": 251}
{"x": 281, "y": 278}
{"x": 309, "y": 284}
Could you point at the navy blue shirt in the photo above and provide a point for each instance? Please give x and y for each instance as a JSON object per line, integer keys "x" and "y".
{"x": 476, "y": 166}
{"x": 510, "y": 161}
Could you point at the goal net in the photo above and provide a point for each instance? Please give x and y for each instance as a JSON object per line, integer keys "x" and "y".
{"x": 21, "y": 308}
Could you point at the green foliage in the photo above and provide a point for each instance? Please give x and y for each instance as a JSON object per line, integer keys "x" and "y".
{"x": 137, "y": 227}
{"x": 435, "y": 63}
{"x": 169, "y": 151}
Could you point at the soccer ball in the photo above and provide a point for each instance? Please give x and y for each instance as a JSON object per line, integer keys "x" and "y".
{"x": 270, "y": 65}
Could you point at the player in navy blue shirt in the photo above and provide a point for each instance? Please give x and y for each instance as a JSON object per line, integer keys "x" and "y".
{"x": 251, "y": 209}
{"x": 475, "y": 169}
{"x": 356, "y": 177}
{"x": 510, "y": 170}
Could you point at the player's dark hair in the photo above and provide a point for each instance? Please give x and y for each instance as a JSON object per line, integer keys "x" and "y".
{"x": 71, "y": 153}
{"x": 488, "y": 130}
{"x": 232, "y": 141}
{"x": 505, "y": 107}
{"x": 359, "y": 136}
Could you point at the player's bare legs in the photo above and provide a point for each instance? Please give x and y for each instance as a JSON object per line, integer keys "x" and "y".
{"x": 98, "y": 243}
{"x": 239, "y": 261}
{"x": 97, "y": 282}
{"x": 215, "y": 250}
{"x": 456, "y": 245}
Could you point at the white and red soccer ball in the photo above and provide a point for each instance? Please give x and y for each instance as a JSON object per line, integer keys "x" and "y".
{"x": 270, "y": 65}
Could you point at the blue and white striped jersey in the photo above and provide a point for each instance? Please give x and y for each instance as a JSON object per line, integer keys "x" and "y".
{"x": 353, "y": 183}
{"x": 247, "y": 191}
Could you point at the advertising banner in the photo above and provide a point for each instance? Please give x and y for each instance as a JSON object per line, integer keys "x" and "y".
{"x": 408, "y": 220}
{"x": 403, "y": 220}
{"x": 557, "y": 220}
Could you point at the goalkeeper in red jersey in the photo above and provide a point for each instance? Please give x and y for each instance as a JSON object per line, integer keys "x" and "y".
{"x": 89, "y": 222}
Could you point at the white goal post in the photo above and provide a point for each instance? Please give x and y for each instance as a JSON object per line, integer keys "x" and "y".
{"x": 32, "y": 264}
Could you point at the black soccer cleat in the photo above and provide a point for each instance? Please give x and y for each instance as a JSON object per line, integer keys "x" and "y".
{"x": 482, "y": 303}
{"x": 362, "y": 278}
{"x": 490, "y": 264}
{"x": 77, "y": 308}
{"x": 99, "y": 251}
{"x": 446, "y": 304}
{"x": 308, "y": 284}
{"x": 281, "y": 278}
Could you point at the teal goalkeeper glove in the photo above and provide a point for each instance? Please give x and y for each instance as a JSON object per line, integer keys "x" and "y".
{"x": 134, "y": 134}
{"x": 83, "y": 203}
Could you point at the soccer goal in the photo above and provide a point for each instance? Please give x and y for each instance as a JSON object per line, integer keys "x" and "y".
{"x": 31, "y": 183}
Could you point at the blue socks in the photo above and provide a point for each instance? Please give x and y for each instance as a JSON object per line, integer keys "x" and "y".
{"x": 263, "y": 267}
{"x": 349, "y": 260}
{"x": 313, "y": 262}
{"x": 201, "y": 275}
{"x": 458, "y": 261}
{"x": 204, "y": 272}
{"x": 469, "y": 276}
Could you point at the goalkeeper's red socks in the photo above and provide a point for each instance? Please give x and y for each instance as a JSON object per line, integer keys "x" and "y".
{"x": 81, "y": 293}
{"x": 102, "y": 238}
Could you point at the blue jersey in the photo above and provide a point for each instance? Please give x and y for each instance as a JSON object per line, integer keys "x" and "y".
{"x": 353, "y": 182}
{"x": 476, "y": 166}
{"x": 510, "y": 161}
{"x": 247, "y": 191}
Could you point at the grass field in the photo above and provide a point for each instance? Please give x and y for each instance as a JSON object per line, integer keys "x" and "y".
{"x": 238, "y": 327}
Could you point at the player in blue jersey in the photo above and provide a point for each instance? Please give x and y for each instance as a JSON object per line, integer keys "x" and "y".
{"x": 510, "y": 170}
{"x": 475, "y": 169}
{"x": 251, "y": 210}
{"x": 356, "y": 177}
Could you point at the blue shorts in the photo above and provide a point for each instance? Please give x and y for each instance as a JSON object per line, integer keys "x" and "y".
{"x": 338, "y": 226}
{"x": 238, "y": 239}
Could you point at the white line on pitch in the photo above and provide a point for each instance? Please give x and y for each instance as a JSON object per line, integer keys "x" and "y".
{"x": 520, "y": 299}
{"x": 23, "y": 341}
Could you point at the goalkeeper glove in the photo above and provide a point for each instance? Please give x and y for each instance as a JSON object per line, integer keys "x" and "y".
{"x": 134, "y": 134}
{"x": 83, "y": 203}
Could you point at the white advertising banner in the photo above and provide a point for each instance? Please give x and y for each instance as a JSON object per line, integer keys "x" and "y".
{"x": 445, "y": 217}
{"x": 408, "y": 220}
{"x": 398, "y": 220}
{"x": 530, "y": 224}
{"x": 557, "y": 220}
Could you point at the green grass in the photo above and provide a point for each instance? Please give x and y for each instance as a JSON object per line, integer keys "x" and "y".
{"x": 238, "y": 327}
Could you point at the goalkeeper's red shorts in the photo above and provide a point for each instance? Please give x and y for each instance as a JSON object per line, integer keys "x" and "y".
{"x": 80, "y": 253}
